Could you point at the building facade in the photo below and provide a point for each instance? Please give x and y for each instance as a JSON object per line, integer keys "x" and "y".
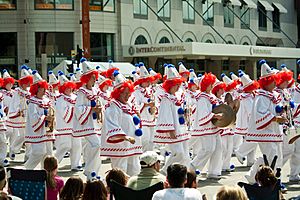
{"x": 207, "y": 35}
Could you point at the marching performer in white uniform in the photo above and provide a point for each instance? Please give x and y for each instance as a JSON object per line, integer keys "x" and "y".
{"x": 64, "y": 141}
{"x": 264, "y": 124}
{"x": 18, "y": 110}
{"x": 145, "y": 103}
{"x": 120, "y": 138}
{"x": 171, "y": 127}
{"x": 207, "y": 133}
{"x": 86, "y": 111}
{"x": 3, "y": 145}
{"x": 36, "y": 120}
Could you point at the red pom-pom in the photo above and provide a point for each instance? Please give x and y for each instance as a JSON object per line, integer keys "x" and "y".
{"x": 231, "y": 86}
{"x": 107, "y": 82}
{"x": 207, "y": 80}
{"x": 117, "y": 91}
{"x": 168, "y": 84}
{"x": 34, "y": 88}
{"x": 25, "y": 80}
{"x": 8, "y": 80}
{"x": 110, "y": 72}
{"x": 66, "y": 85}
{"x": 250, "y": 88}
{"x": 218, "y": 87}
{"x": 86, "y": 77}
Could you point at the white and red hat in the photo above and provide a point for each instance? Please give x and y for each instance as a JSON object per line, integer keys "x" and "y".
{"x": 62, "y": 78}
{"x": 135, "y": 76}
{"x": 86, "y": 67}
{"x": 36, "y": 77}
{"x": 266, "y": 70}
{"x": 119, "y": 79}
{"x": 246, "y": 80}
{"x": 5, "y": 74}
{"x": 24, "y": 72}
{"x": 172, "y": 73}
{"x": 52, "y": 78}
{"x": 182, "y": 68}
{"x": 192, "y": 74}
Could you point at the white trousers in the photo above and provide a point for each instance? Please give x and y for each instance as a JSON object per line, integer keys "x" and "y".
{"x": 130, "y": 165}
{"x": 37, "y": 154}
{"x": 11, "y": 135}
{"x": 211, "y": 150}
{"x": 227, "y": 149}
{"x": 195, "y": 145}
{"x": 20, "y": 138}
{"x": 179, "y": 154}
{"x": 237, "y": 141}
{"x": 92, "y": 155}
{"x": 67, "y": 143}
{"x": 3, "y": 147}
{"x": 147, "y": 138}
{"x": 295, "y": 160}
{"x": 270, "y": 149}
{"x": 247, "y": 149}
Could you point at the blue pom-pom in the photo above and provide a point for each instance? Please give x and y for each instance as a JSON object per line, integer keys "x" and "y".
{"x": 1, "y": 115}
{"x": 77, "y": 69}
{"x": 180, "y": 63}
{"x": 5, "y": 70}
{"x": 191, "y": 70}
{"x": 50, "y": 72}
{"x": 232, "y": 166}
{"x": 110, "y": 61}
{"x": 222, "y": 75}
{"x": 138, "y": 132}
{"x": 298, "y": 61}
{"x": 116, "y": 73}
{"x": 192, "y": 80}
{"x": 180, "y": 111}
{"x": 136, "y": 64}
{"x": 60, "y": 73}
{"x": 141, "y": 64}
{"x": 94, "y": 115}
{"x": 24, "y": 67}
{"x": 292, "y": 104}
{"x": 214, "y": 105}
{"x": 82, "y": 60}
{"x": 262, "y": 62}
{"x": 93, "y": 103}
{"x": 283, "y": 66}
{"x": 71, "y": 74}
{"x": 133, "y": 72}
{"x": 5, "y": 161}
{"x": 231, "y": 73}
{"x": 149, "y": 100}
{"x": 241, "y": 74}
{"x": 181, "y": 120}
{"x": 0, "y": 106}
{"x": 13, "y": 155}
{"x": 150, "y": 69}
{"x": 45, "y": 111}
{"x": 167, "y": 153}
{"x": 98, "y": 178}
{"x": 198, "y": 172}
{"x": 136, "y": 120}
{"x": 278, "y": 109}
{"x": 97, "y": 67}
{"x": 200, "y": 75}
{"x": 190, "y": 154}
{"x": 165, "y": 65}
{"x": 93, "y": 174}
{"x": 170, "y": 66}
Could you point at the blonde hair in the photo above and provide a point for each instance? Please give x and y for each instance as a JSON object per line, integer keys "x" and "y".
{"x": 50, "y": 164}
{"x": 231, "y": 193}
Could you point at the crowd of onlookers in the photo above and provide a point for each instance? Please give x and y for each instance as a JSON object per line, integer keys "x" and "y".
{"x": 178, "y": 184}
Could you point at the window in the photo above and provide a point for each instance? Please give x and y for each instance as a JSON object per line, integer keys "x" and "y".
{"x": 102, "y": 47}
{"x": 54, "y": 4}
{"x": 56, "y": 45}
{"x": 242, "y": 65}
{"x": 189, "y": 40}
{"x": 8, "y": 53}
{"x": 140, "y": 40}
{"x": 140, "y": 9}
{"x": 276, "y": 19}
{"x": 163, "y": 9}
{"x": 102, "y": 5}
{"x": 164, "y": 40}
{"x": 245, "y": 17}
{"x": 8, "y": 4}
{"x": 262, "y": 19}
{"x": 188, "y": 12}
{"x": 225, "y": 65}
{"x": 208, "y": 12}
{"x": 208, "y": 41}
{"x": 228, "y": 17}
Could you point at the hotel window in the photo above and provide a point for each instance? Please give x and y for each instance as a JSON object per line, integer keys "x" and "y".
{"x": 8, "y": 53}
{"x": 189, "y": 40}
{"x": 164, "y": 40}
{"x": 276, "y": 19}
{"x": 262, "y": 19}
{"x": 140, "y": 9}
{"x": 54, "y": 4}
{"x": 208, "y": 12}
{"x": 188, "y": 12}
{"x": 102, "y": 47}
{"x": 245, "y": 17}
{"x": 102, "y": 5}
{"x": 8, "y": 4}
{"x": 140, "y": 40}
{"x": 164, "y": 9}
{"x": 228, "y": 17}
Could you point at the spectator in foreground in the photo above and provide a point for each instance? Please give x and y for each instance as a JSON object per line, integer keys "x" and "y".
{"x": 54, "y": 182}
{"x": 231, "y": 193}
{"x": 117, "y": 175}
{"x": 191, "y": 181}
{"x": 73, "y": 189}
{"x": 177, "y": 176}
{"x": 3, "y": 194}
{"x": 94, "y": 190}
{"x": 149, "y": 175}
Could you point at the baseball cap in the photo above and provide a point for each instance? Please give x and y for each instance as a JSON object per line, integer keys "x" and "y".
{"x": 149, "y": 158}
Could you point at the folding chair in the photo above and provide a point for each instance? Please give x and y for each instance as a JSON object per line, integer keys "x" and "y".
{"x": 120, "y": 192}
{"x": 27, "y": 184}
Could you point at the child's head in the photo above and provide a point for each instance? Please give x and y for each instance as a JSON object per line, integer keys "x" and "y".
{"x": 2, "y": 177}
{"x": 94, "y": 190}
{"x": 117, "y": 175}
{"x": 73, "y": 189}
{"x": 191, "y": 181}
{"x": 50, "y": 165}
{"x": 232, "y": 193}
{"x": 265, "y": 176}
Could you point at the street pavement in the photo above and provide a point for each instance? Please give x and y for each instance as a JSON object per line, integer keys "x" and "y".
{"x": 208, "y": 187}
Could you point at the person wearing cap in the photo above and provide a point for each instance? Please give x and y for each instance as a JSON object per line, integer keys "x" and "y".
{"x": 7, "y": 93}
{"x": 264, "y": 121}
{"x": 37, "y": 119}
{"x": 64, "y": 115}
{"x": 245, "y": 149}
{"x": 121, "y": 133}
{"x": 149, "y": 175}
{"x": 145, "y": 103}
{"x": 17, "y": 111}
{"x": 207, "y": 134}
{"x": 171, "y": 127}
{"x": 85, "y": 123}
{"x": 177, "y": 177}
{"x": 3, "y": 182}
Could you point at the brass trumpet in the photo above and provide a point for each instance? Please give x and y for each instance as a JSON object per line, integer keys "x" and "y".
{"x": 51, "y": 123}
{"x": 99, "y": 114}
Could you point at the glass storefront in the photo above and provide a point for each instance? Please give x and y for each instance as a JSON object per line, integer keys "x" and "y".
{"x": 8, "y": 4}
{"x": 8, "y": 53}
{"x": 102, "y": 5}
{"x": 54, "y": 4}
{"x": 102, "y": 47}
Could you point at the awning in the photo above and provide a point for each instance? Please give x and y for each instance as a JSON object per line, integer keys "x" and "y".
{"x": 214, "y": 1}
{"x": 250, "y": 3}
{"x": 280, "y": 8}
{"x": 235, "y": 2}
{"x": 267, "y": 5}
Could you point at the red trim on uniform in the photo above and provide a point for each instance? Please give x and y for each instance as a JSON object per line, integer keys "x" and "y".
{"x": 265, "y": 125}
{"x": 114, "y": 156}
{"x": 115, "y": 141}
{"x": 164, "y": 131}
{"x": 264, "y": 140}
{"x": 49, "y": 140}
{"x": 170, "y": 142}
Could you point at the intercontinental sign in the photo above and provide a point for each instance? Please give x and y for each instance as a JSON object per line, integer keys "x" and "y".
{"x": 137, "y": 50}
